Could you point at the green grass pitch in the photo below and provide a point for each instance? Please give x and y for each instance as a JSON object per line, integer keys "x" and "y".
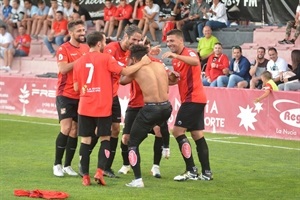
{"x": 243, "y": 167}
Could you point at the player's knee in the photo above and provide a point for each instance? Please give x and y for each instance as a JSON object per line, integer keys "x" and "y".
{"x": 125, "y": 139}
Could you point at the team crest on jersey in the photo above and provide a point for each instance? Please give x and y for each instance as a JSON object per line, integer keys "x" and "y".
{"x": 186, "y": 150}
{"x": 60, "y": 56}
{"x": 192, "y": 54}
{"x": 107, "y": 153}
{"x": 132, "y": 157}
{"x": 109, "y": 51}
{"x": 63, "y": 111}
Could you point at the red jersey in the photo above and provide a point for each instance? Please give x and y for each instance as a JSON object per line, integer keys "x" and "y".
{"x": 124, "y": 12}
{"x": 114, "y": 49}
{"x": 140, "y": 13}
{"x": 136, "y": 95}
{"x": 190, "y": 85}
{"x": 68, "y": 53}
{"x": 109, "y": 12}
{"x": 58, "y": 26}
{"x": 23, "y": 39}
{"x": 92, "y": 72}
{"x": 221, "y": 62}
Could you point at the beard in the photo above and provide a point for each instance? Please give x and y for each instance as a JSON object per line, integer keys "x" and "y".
{"x": 81, "y": 40}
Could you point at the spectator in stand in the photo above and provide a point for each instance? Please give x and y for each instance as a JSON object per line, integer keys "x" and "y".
{"x": 257, "y": 68}
{"x": 195, "y": 17}
{"x": 276, "y": 65}
{"x": 268, "y": 85}
{"x": 164, "y": 16}
{"x": 39, "y": 19}
{"x": 151, "y": 14}
{"x": 122, "y": 16}
{"x": 138, "y": 15}
{"x": 206, "y": 45}
{"x": 292, "y": 83}
{"x": 21, "y": 45}
{"x": 238, "y": 71}
{"x": 17, "y": 14}
{"x": 216, "y": 63}
{"x": 5, "y": 44}
{"x": 292, "y": 24}
{"x": 6, "y": 11}
{"x": 79, "y": 12}
{"x": 30, "y": 12}
{"x": 57, "y": 33}
{"x": 216, "y": 15}
{"x": 182, "y": 11}
{"x": 51, "y": 15}
{"x": 109, "y": 11}
{"x": 68, "y": 10}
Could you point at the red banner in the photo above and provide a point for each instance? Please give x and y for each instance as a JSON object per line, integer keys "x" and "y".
{"x": 230, "y": 111}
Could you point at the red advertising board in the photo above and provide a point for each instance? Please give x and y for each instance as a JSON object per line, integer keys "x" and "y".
{"x": 230, "y": 111}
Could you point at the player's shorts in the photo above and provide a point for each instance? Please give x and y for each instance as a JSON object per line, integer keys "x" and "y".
{"x": 87, "y": 126}
{"x": 116, "y": 110}
{"x": 191, "y": 116}
{"x": 130, "y": 116}
{"x": 67, "y": 108}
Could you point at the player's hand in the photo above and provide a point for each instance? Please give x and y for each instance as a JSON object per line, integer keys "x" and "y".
{"x": 169, "y": 54}
{"x": 155, "y": 50}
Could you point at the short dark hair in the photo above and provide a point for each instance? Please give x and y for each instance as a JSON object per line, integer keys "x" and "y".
{"x": 272, "y": 49}
{"x": 262, "y": 48}
{"x": 40, "y": 2}
{"x": 74, "y": 23}
{"x": 175, "y": 32}
{"x": 138, "y": 51}
{"x": 93, "y": 38}
{"x": 130, "y": 30}
{"x": 237, "y": 47}
{"x": 76, "y": 2}
{"x": 218, "y": 43}
{"x": 3, "y": 26}
{"x": 60, "y": 12}
{"x": 267, "y": 75}
{"x": 29, "y": 1}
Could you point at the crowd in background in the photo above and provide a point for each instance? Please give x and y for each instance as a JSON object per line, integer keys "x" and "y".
{"x": 24, "y": 21}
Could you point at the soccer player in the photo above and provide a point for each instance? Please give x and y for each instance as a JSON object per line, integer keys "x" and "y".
{"x": 190, "y": 116}
{"x": 162, "y": 136}
{"x": 119, "y": 50}
{"x": 67, "y": 99}
{"x": 156, "y": 110}
{"x": 92, "y": 72}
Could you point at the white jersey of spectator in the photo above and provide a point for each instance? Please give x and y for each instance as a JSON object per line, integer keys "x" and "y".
{"x": 220, "y": 11}
{"x": 32, "y": 11}
{"x": 155, "y": 9}
{"x": 276, "y": 67}
{"x": 68, "y": 12}
{"x": 44, "y": 12}
{"x": 17, "y": 14}
{"x": 6, "y": 38}
{"x": 51, "y": 14}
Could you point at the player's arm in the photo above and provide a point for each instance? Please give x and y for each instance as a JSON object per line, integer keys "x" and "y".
{"x": 173, "y": 77}
{"x": 133, "y": 68}
{"x": 75, "y": 86}
{"x": 190, "y": 60}
{"x": 64, "y": 67}
{"x": 124, "y": 80}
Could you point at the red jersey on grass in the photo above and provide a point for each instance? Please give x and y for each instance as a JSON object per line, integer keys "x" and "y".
{"x": 190, "y": 85}
{"x": 114, "y": 49}
{"x": 92, "y": 72}
{"x": 68, "y": 53}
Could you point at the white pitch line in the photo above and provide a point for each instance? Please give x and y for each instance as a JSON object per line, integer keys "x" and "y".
{"x": 212, "y": 139}
{"x": 23, "y": 121}
{"x": 224, "y": 138}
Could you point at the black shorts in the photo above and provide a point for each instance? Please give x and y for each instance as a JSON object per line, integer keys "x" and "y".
{"x": 67, "y": 108}
{"x": 116, "y": 110}
{"x": 191, "y": 116}
{"x": 150, "y": 115}
{"x": 130, "y": 116}
{"x": 87, "y": 126}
